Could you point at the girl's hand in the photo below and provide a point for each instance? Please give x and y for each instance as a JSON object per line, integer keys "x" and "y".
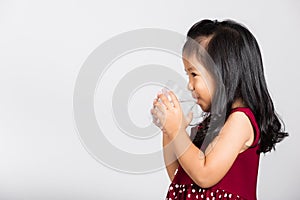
{"x": 167, "y": 114}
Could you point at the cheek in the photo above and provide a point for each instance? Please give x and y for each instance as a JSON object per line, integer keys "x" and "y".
{"x": 204, "y": 90}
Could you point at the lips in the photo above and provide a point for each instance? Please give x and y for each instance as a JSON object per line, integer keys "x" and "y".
{"x": 195, "y": 96}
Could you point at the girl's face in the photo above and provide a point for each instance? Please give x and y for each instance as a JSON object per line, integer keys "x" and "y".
{"x": 200, "y": 83}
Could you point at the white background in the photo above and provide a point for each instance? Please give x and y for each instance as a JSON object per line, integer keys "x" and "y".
{"x": 42, "y": 47}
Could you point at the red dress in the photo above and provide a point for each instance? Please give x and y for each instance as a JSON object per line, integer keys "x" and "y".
{"x": 239, "y": 182}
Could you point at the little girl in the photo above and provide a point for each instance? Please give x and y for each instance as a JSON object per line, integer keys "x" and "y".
{"x": 221, "y": 162}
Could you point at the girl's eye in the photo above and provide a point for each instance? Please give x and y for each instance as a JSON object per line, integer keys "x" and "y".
{"x": 193, "y": 74}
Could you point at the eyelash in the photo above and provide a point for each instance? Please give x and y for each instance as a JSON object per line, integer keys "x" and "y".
{"x": 193, "y": 74}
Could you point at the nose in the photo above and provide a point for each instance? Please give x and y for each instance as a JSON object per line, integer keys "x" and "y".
{"x": 190, "y": 86}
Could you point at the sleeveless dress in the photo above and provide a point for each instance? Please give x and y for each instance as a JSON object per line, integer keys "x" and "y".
{"x": 239, "y": 182}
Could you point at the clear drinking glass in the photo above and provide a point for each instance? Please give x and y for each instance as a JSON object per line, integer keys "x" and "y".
{"x": 187, "y": 102}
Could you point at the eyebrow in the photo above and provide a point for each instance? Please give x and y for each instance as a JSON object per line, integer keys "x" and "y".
{"x": 189, "y": 68}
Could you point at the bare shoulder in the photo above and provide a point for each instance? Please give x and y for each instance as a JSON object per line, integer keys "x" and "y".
{"x": 238, "y": 127}
{"x": 235, "y": 135}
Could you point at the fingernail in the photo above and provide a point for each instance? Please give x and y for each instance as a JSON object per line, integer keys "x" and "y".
{"x": 165, "y": 90}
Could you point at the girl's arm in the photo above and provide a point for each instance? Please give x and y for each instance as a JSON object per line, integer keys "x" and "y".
{"x": 170, "y": 159}
{"x": 208, "y": 170}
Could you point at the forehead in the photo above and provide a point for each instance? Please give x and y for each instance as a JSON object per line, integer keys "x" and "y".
{"x": 191, "y": 63}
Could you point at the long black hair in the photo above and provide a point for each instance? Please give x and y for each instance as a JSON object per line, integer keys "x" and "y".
{"x": 236, "y": 55}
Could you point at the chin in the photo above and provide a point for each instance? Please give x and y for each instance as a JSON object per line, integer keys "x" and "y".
{"x": 204, "y": 107}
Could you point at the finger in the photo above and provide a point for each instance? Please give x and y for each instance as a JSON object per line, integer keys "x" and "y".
{"x": 160, "y": 107}
{"x": 156, "y": 121}
{"x": 153, "y": 111}
{"x": 174, "y": 99}
{"x": 155, "y": 101}
{"x": 161, "y": 117}
{"x": 165, "y": 101}
{"x": 158, "y": 118}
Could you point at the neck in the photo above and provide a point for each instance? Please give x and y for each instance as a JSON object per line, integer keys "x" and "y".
{"x": 238, "y": 103}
